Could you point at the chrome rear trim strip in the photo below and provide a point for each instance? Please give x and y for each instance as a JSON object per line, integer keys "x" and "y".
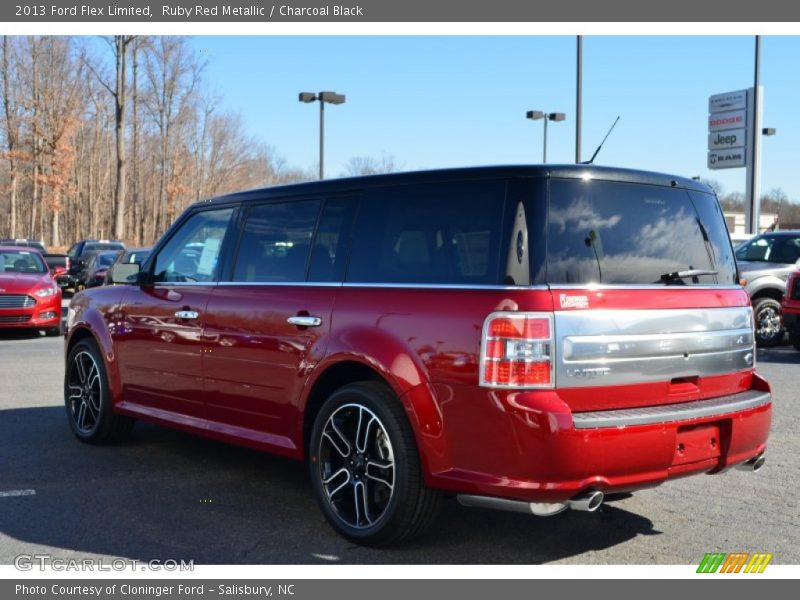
{"x": 672, "y": 412}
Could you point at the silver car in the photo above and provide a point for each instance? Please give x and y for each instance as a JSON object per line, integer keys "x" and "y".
{"x": 765, "y": 262}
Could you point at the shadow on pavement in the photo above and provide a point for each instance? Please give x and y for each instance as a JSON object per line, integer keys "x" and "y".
{"x": 167, "y": 495}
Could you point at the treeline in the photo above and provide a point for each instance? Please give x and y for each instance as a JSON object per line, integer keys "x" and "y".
{"x": 774, "y": 202}
{"x": 113, "y": 137}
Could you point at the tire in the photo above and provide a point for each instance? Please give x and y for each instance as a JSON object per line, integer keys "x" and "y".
{"x": 767, "y": 313}
{"x": 54, "y": 331}
{"x": 87, "y": 398}
{"x": 794, "y": 338}
{"x": 378, "y": 475}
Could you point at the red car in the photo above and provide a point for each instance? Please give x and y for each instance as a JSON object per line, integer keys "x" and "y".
{"x": 29, "y": 296}
{"x": 790, "y": 309}
{"x": 525, "y": 338}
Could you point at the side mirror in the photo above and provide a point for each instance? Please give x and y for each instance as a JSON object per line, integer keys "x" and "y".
{"x": 126, "y": 273}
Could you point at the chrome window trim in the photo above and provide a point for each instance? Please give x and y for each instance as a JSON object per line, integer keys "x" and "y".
{"x": 447, "y": 286}
{"x": 684, "y": 411}
{"x": 183, "y": 284}
{"x": 279, "y": 283}
{"x": 641, "y": 286}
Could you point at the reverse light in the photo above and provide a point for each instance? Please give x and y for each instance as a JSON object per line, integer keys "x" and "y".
{"x": 516, "y": 351}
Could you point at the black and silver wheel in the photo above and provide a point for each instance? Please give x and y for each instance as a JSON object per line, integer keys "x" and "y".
{"x": 365, "y": 467}
{"x": 87, "y": 398}
{"x": 769, "y": 330}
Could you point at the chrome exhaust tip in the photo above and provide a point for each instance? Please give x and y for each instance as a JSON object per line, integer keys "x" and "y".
{"x": 587, "y": 501}
{"x": 753, "y": 465}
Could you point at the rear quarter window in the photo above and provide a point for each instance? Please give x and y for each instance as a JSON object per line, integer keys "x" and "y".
{"x": 443, "y": 233}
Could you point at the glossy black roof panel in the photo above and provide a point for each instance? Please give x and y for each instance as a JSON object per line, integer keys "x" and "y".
{"x": 352, "y": 184}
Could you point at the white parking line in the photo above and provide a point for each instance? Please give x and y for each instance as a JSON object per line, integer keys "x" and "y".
{"x": 12, "y": 493}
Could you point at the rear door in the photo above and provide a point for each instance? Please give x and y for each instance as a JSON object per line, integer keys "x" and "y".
{"x": 158, "y": 339}
{"x": 266, "y": 328}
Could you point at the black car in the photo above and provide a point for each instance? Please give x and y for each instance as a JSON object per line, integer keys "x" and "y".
{"x": 98, "y": 265}
{"x": 79, "y": 254}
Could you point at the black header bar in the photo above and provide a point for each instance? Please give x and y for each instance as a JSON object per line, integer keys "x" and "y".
{"x": 371, "y": 11}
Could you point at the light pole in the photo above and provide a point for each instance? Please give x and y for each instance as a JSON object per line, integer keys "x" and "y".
{"x": 537, "y": 114}
{"x": 322, "y": 98}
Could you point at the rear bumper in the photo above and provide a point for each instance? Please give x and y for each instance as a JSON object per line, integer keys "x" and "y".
{"x": 550, "y": 454}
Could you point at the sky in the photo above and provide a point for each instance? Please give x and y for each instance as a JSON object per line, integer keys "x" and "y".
{"x": 448, "y": 101}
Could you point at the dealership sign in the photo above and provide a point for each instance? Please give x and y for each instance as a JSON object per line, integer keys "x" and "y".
{"x": 726, "y": 159}
{"x": 732, "y": 138}
{"x": 729, "y": 129}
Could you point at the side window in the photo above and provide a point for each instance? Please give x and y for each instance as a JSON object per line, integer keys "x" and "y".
{"x": 331, "y": 244}
{"x": 72, "y": 251}
{"x": 276, "y": 242}
{"x": 446, "y": 233}
{"x": 192, "y": 253}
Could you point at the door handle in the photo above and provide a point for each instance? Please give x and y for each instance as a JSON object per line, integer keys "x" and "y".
{"x": 187, "y": 314}
{"x": 304, "y": 321}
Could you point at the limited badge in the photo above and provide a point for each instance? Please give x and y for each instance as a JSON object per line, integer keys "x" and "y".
{"x": 574, "y": 301}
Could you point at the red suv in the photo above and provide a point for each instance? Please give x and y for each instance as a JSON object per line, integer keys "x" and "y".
{"x": 526, "y": 338}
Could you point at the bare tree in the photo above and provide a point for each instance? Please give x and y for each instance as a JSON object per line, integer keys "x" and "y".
{"x": 13, "y": 113}
{"x": 367, "y": 165}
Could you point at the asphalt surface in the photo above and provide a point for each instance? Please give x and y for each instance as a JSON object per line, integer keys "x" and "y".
{"x": 167, "y": 495}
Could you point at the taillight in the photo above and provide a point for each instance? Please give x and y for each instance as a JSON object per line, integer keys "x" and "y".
{"x": 516, "y": 350}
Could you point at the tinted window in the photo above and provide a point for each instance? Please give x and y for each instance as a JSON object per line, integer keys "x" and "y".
{"x": 440, "y": 233}
{"x": 329, "y": 255}
{"x": 276, "y": 242}
{"x": 608, "y": 232}
{"x": 192, "y": 253}
{"x": 778, "y": 249}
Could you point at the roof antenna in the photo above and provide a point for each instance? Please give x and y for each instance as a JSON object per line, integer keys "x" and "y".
{"x": 596, "y": 152}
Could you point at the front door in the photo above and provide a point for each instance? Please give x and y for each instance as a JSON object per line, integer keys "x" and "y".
{"x": 159, "y": 334}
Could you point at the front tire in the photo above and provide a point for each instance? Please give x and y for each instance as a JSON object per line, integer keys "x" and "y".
{"x": 87, "y": 397}
{"x": 769, "y": 331}
{"x": 365, "y": 467}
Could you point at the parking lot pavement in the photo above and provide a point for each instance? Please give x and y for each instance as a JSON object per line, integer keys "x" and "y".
{"x": 167, "y": 495}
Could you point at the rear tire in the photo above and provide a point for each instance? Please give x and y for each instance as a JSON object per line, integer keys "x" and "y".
{"x": 365, "y": 467}
{"x": 767, "y": 313}
{"x": 87, "y": 397}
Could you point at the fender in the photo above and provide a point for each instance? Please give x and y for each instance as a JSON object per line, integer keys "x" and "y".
{"x": 764, "y": 283}
{"x": 395, "y": 362}
{"x": 94, "y": 314}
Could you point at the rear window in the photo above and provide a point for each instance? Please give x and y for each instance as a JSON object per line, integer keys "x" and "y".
{"x": 623, "y": 233}
{"x": 438, "y": 233}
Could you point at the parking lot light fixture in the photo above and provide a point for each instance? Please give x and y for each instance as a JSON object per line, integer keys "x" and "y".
{"x": 322, "y": 98}
{"x": 553, "y": 116}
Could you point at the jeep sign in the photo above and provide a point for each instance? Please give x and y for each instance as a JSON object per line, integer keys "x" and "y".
{"x": 732, "y": 138}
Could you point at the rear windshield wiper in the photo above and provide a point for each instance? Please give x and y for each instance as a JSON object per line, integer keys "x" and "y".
{"x": 677, "y": 276}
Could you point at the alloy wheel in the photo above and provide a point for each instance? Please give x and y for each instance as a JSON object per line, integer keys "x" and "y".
{"x": 84, "y": 386}
{"x": 357, "y": 467}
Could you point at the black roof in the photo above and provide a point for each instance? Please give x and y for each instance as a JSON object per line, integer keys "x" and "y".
{"x": 572, "y": 171}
